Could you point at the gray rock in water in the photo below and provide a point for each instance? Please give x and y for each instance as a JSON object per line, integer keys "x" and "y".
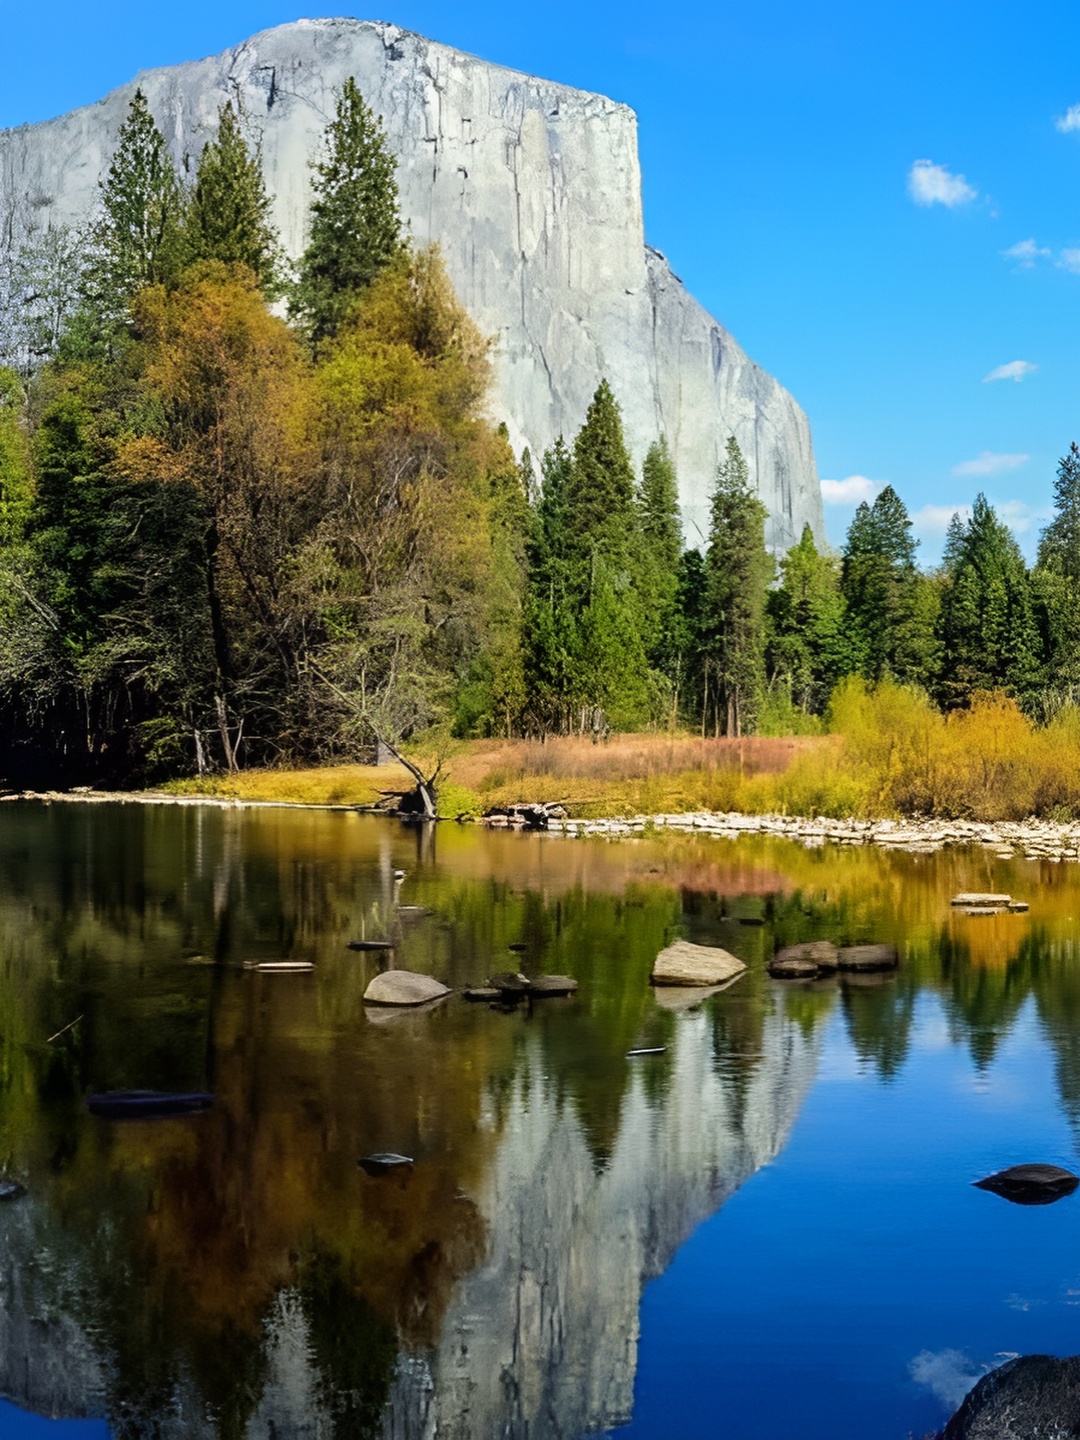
{"x": 404, "y": 987}
{"x": 805, "y": 961}
{"x": 868, "y": 957}
{"x": 685, "y": 964}
{"x": 553, "y": 985}
{"x": 1031, "y": 1184}
{"x": 10, "y": 1189}
{"x": 533, "y": 191}
{"x": 511, "y": 984}
{"x": 1034, "y": 1397}
{"x": 479, "y": 993}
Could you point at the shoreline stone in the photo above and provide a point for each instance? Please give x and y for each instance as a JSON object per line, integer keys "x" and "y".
{"x": 1032, "y": 839}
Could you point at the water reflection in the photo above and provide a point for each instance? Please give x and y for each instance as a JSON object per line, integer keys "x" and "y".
{"x": 236, "y": 1273}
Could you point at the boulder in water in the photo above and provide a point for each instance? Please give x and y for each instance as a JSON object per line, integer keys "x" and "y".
{"x": 687, "y": 964}
{"x": 404, "y": 987}
{"x": 1034, "y": 1397}
{"x": 868, "y": 957}
{"x": 10, "y": 1189}
{"x": 511, "y": 984}
{"x": 805, "y": 961}
{"x": 1031, "y": 1184}
{"x": 553, "y": 985}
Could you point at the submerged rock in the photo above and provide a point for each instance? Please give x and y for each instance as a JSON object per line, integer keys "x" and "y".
{"x": 1034, "y": 1397}
{"x": 1031, "y": 1184}
{"x": 687, "y": 964}
{"x": 479, "y": 993}
{"x": 10, "y": 1189}
{"x": 404, "y": 987}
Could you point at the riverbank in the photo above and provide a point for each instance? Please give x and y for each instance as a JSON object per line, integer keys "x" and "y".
{"x": 1031, "y": 839}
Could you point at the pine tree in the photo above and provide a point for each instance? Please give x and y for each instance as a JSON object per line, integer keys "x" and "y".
{"x": 660, "y": 534}
{"x": 228, "y": 215}
{"x": 1059, "y": 545}
{"x": 355, "y": 223}
{"x": 987, "y": 622}
{"x": 600, "y": 514}
{"x": 1056, "y": 582}
{"x": 808, "y": 650}
{"x": 137, "y": 237}
{"x": 738, "y": 571}
{"x": 890, "y": 609}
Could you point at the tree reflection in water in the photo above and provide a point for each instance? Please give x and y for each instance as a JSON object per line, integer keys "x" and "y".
{"x": 236, "y": 1271}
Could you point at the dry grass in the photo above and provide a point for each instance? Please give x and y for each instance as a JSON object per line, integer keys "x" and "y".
{"x": 335, "y": 785}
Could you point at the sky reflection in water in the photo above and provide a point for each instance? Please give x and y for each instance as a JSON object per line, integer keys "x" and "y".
{"x": 790, "y": 1182}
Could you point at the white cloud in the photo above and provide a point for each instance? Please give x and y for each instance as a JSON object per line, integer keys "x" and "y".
{"x": 1070, "y": 260}
{"x": 989, "y": 463}
{"x": 1069, "y": 121}
{"x": 935, "y": 519}
{"x": 1019, "y": 516}
{"x": 1026, "y": 252}
{"x": 930, "y": 184}
{"x": 1014, "y": 370}
{"x": 851, "y": 491}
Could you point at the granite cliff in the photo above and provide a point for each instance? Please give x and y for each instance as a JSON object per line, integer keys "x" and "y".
{"x": 533, "y": 191}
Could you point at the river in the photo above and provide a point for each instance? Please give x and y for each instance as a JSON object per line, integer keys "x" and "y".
{"x": 768, "y": 1230}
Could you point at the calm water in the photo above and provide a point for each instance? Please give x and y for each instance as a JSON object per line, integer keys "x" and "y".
{"x": 768, "y": 1231}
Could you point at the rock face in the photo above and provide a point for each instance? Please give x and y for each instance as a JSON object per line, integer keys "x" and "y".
{"x": 687, "y": 964}
{"x": 532, "y": 189}
{"x": 1034, "y": 1397}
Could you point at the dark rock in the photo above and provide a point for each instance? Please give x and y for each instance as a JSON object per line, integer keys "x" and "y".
{"x": 10, "y": 1189}
{"x": 1034, "y": 1397}
{"x": 796, "y": 962}
{"x": 510, "y": 983}
{"x": 1031, "y": 1184}
{"x": 383, "y": 1161}
{"x": 518, "y": 946}
{"x": 369, "y": 945}
{"x": 553, "y": 985}
{"x": 868, "y": 957}
{"x": 793, "y": 968}
{"x": 477, "y": 993}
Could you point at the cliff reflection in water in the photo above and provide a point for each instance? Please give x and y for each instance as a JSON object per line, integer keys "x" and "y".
{"x": 237, "y": 1274}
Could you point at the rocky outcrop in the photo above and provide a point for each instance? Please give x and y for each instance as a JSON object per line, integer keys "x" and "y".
{"x": 1034, "y": 1397}
{"x": 532, "y": 189}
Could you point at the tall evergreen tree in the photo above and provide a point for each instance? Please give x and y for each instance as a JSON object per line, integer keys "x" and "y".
{"x": 1056, "y": 580}
{"x": 137, "y": 237}
{"x": 355, "y": 223}
{"x": 890, "y": 608}
{"x": 809, "y": 649}
{"x": 228, "y": 215}
{"x": 738, "y": 570}
{"x": 987, "y": 621}
{"x": 660, "y": 533}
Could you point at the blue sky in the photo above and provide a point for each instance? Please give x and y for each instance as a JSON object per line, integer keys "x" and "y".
{"x": 781, "y": 144}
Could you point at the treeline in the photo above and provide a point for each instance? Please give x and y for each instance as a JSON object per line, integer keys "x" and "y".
{"x": 254, "y": 512}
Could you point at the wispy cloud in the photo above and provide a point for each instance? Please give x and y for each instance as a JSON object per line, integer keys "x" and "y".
{"x": 930, "y": 184}
{"x": 990, "y": 463}
{"x": 1070, "y": 260}
{"x": 935, "y": 519}
{"x": 851, "y": 491}
{"x": 1026, "y": 252}
{"x": 1069, "y": 121}
{"x": 1020, "y": 516}
{"x": 1014, "y": 370}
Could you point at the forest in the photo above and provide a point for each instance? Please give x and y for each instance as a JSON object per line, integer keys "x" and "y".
{"x": 254, "y": 513}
